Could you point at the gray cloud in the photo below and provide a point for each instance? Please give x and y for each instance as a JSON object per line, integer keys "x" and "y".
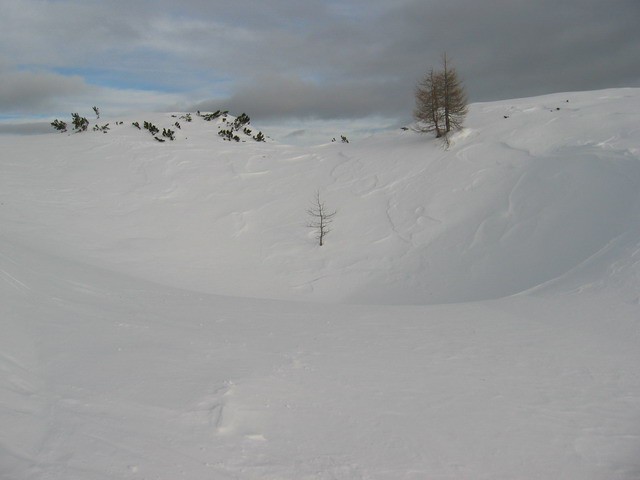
{"x": 289, "y": 96}
{"x": 518, "y": 48}
{"x": 35, "y": 92}
{"x": 30, "y": 128}
{"x": 320, "y": 59}
{"x": 501, "y": 48}
{"x": 68, "y": 33}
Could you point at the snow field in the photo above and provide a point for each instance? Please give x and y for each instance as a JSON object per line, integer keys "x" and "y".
{"x": 474, "y": 314}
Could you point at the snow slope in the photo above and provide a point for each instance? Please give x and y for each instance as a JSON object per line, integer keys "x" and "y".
{"x": 474, "y": 314}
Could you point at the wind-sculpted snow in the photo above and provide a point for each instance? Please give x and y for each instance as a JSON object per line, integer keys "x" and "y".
{"x": 514, "y": 203}
{"x": 474, "y": 312}
{"x": 508, "y": 227}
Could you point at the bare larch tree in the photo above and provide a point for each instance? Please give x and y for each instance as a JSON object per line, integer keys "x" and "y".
{"x": 320, "y": 218}
{"x": 441, "y": 102}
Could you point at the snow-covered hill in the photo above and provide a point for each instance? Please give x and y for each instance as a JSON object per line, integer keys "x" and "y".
{"x": 475, "y": 312}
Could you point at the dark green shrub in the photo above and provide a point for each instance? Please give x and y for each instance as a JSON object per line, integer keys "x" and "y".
{"x": 59, "y": 125}
{"x": 104, "y": 128}
{"x": 151, "y": 127}
{"x": 168, "y": 134}
{"x": 80, "y": 124}
{"x": 210, "y": 116}
{"x": 228, "y": 135}
{"x": 241, "y": 121}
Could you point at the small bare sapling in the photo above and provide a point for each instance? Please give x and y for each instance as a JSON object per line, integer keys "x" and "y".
{"x": 321, "y": 218}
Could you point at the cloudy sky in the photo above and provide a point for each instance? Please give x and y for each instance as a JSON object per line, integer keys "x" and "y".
{"x": 354, "y": 62}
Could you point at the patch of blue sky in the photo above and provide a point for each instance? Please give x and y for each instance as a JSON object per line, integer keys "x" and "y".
{"x": 16, "y": 117}
{"x": 11, "y": 123}
{"x": 139, "y": 69}
{"x": 152, "y": 78}
{"x": 122, "y": 79}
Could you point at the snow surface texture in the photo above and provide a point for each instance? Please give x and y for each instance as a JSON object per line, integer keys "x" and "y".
{"x": 474, "y": 314}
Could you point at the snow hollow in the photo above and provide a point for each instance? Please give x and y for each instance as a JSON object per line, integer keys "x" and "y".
{"x": 474, "y": 314}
